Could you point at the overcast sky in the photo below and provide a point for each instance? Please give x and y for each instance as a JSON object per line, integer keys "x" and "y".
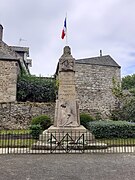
{"x": 92, "y": 25}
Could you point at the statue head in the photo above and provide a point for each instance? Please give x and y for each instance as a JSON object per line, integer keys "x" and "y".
{"x": 67, "y": 50}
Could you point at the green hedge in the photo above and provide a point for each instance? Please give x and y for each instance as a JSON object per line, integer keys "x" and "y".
{"x": 36, "y": 89}
{"x": 112, "y": 129}
{"x": 85, "y": 119}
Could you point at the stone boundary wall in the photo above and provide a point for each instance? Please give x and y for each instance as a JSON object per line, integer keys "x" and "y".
{"x": 19, "y": 114}
{"x": 94, "y": 88}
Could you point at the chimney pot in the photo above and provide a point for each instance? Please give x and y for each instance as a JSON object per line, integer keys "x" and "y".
{"x": 100, "y": 53}
{"x": 1, "y": 32}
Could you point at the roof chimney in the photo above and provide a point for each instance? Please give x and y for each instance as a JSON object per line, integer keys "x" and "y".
{"x": 100, "y": 53}
{"x": 1, "y": 32}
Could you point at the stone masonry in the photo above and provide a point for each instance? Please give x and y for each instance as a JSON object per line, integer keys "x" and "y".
{"x": 8, "y": 80}
{"x": 18, "y": 115}
{"x": 12, "y": 59}
{"x": 94, "y": 86}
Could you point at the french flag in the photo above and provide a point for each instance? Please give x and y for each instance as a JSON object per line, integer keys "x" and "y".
{"x": 64, "y": 29}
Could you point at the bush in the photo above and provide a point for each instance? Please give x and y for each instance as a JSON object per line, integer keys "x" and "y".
{"x": 36, "y": 89}
{"x": 85, "y": 119}
{"x": 126, "y": 112}
{"x": 112, "y": 129}
{"x": 126, "y": 100}
{"x": 128, "y": 82}
{"x": 35, "y": 130}
{"x": 43, "y": 120}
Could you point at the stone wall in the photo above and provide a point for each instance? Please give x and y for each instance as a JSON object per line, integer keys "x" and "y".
{"x": 94, "y": 88}
{"x": 18, "y": 115}
{"x": 8, "y": 80}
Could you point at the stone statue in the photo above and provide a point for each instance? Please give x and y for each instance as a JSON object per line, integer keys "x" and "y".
{"x": 66, "y": 115}
{"x": 66, "y": 62}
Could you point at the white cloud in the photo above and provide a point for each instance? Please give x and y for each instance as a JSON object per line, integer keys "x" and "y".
{"x": 92, "y": 25}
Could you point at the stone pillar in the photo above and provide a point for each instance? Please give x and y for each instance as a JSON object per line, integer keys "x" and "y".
{"x": 67, "y": 109}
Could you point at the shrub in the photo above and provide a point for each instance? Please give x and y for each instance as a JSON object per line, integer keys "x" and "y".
{"x": 126, "y": 112}
{"x": 43, "y": 120}
{"x": 36, "y": 89}
{"x": 35, "y": 130}
{"x": 128, "y": 82}
{"x": 112, "y": 129}
{"x": 126, "y": 101}
{"x": 85, "y": 119}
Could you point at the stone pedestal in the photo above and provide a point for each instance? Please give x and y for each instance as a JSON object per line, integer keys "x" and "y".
{"x": 73, "y": 132}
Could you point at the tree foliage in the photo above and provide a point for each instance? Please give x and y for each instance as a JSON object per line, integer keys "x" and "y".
{"x": 36, "y": 89}
{"x": 117, "y": 90}
{"x": 126, "y": 110}
{"x": 128, "y": 82}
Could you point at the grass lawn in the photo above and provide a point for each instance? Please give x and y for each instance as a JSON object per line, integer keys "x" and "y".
{"x": 6, "y": 141}
{"x": 28, "y": 142}
{"x": 17, "y": 143}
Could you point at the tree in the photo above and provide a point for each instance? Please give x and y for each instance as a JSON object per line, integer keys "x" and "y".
{"x": 128, "y": 82}
{"x": 126, "y": 110}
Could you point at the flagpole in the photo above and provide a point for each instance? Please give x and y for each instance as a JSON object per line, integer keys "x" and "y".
{"x": 66, "y": 31}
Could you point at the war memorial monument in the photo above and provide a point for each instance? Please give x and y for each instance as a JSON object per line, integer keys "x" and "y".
{"x": 67, "y": 117}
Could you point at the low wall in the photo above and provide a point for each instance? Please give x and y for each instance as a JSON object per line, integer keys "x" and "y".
{"x": 18, "y": 115}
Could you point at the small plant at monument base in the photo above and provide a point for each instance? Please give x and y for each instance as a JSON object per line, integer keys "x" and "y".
{"x": 35, "y": 130}
{"x": 85, "y": 119}
{"x": 43, "y": 120}
{"x": 39, "y": 124}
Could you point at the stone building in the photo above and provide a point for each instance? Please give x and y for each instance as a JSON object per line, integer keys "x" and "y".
{"x": 94, "y": 84}
{"x": 12, "y": 59}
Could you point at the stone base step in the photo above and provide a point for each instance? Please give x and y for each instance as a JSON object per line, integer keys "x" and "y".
{"x": 43, "y": 146}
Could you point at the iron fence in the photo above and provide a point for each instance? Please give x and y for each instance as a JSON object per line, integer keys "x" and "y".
{"x": 22, "y": 142}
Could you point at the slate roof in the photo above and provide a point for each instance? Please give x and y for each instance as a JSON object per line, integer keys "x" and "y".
{"x": 101, "y": 60}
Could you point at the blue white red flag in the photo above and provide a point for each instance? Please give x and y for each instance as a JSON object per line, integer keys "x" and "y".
{"x": 64, "y": 29}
